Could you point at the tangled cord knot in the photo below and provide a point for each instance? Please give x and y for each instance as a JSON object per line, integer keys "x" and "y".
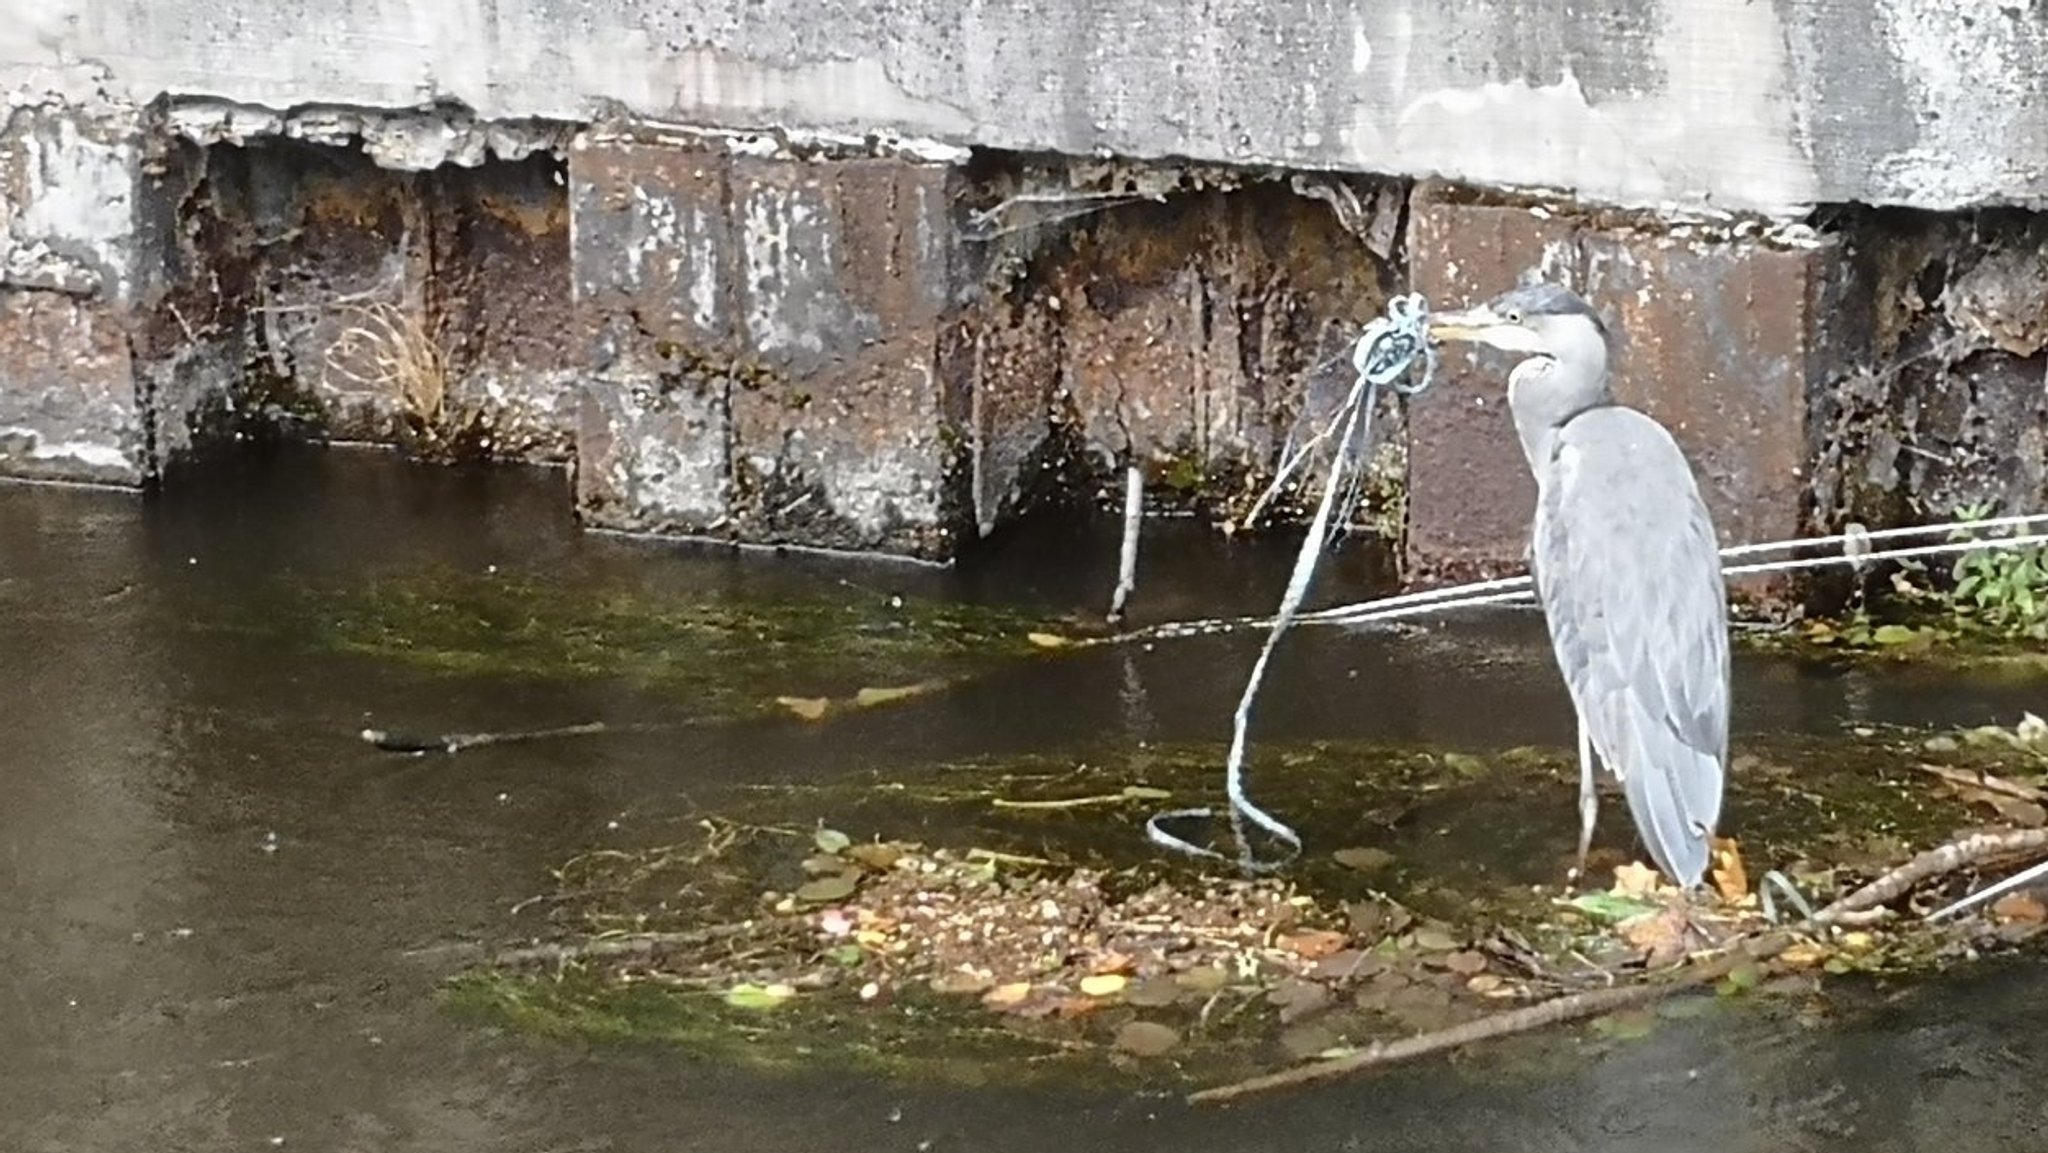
{"x": 1389, "y": 346}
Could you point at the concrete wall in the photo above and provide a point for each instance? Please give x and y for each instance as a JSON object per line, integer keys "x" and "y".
{"x": 874, "y": 275}
{"x": 1749, "y": 105}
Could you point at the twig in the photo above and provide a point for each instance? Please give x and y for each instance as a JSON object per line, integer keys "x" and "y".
{"x": 1987, "y": 782}
{"x": 392, "y": 742}
{"x": 1855, "y": 908}
{"x": 1938, "y": 862}
{"x": 611, "y": 948}
{"x": 1557, "y": 1011}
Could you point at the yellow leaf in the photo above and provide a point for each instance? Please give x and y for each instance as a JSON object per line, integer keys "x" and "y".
{"x": 1004, "y": 996}
{"x": 1313, "y": 944}
{"x": 1730, "y": 878}
{"x": 1635, "y": 879}
{"x": 2019, "y": 908}
{"x": 1048, "y": 640}
{"x": 1104, "y": 984}
{"x": 868, "y": 698}
{"x": 809, "y": 708}
{"x": 1803, "y": 955}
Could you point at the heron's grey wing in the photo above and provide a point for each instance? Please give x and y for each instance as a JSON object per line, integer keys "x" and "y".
{"x": 1629, "y": 572}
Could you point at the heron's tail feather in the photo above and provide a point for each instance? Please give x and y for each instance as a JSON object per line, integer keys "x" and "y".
{"x": 1674, "y": 794}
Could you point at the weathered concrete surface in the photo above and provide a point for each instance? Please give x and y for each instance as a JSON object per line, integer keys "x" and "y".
{"x": 69, "y": 184}
{"x": 1723, "y": 104}
{"x": 1946, "y": 409}
{"x": 67, "y": 395}
{"x": 307, "y": 284}
{"x": 1719, "y": 336}
{"x": 783, "y": 318}
{"x": 1191, "y": 337}
{"x": 1469, "y": 492}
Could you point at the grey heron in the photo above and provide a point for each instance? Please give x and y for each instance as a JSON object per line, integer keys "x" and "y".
{"x": 1627, "y": 568}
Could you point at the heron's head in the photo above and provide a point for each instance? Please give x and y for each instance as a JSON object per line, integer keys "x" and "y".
{"x": 1534, "y": 320}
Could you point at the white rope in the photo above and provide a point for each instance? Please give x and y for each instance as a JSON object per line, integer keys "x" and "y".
{"x": 1517, "y": 589}
{"x": 2023, "y": 877}
{"x": 1382, "y": 356}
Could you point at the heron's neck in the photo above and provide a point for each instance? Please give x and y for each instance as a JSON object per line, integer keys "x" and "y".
{"x": 1544, "y": 395}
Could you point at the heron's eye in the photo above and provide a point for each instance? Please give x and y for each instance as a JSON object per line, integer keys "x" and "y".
{"x": 1514, "y": 316}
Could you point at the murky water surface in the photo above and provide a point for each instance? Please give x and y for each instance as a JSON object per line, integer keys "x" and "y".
{"x": 225, "y": 913}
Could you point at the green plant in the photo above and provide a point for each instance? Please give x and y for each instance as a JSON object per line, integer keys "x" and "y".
{"x": 2000, "y": 590}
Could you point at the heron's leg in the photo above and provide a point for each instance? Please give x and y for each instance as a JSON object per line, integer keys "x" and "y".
{"x": 1589, "y": 804}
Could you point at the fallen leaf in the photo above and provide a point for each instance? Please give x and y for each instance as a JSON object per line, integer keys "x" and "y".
{"x": 1152, "y": 993}
{"x": 1635, "y": 880}
{"x": 1894, "y": 635}
{"x": 1314, "y": 944}
{"x": 2025, "y": 814}
{"x": 1365, "y": 860}
{"x": 1146, "y": 1039}
{"x": 750, "y": 996}
{"x": 809, "y": 708}
{"x": 1111, "y": 963}
{"x": 962, "y": 982}
{"x": 1207, "y": 979}
{"x": 1968, "y": 780}
{"x": 1731, "y": 880}
{"x": 1104, "y": 984}
{"x": 1627, "y": 1025}
{"x": 1371, "y": 920}
{"x": 1609, "y": 908}
{"x": 2019, "y": 908}
{"x": 1048, "y": 640}
{"x": 1434, "y": 939}
{"x": 1068, "y": 1008}
{"x": 1297, "y": 999}
{"x": 1464, "y": 764}
{"x": 1466, "y": 963}
{"x": 1145, "y": 793}
{"x": 834, "y": 888}
{"x": 1007, "y": 996}
{"x": 1659, "y": 936}
{"x": 847, "y": 955}
{"x": 1803, "y": 955}
{"x": 820, "y": 865}
{"x": 831, "y": 841}
{"x": 876, "y": 856}
{"x": 870, "y": 697}
{"x": 1485, "y": 984}
{"x": 1740, "y": 979}
{"x": 1347, "y": 965}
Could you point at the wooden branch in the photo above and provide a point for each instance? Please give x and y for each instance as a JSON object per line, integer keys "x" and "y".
{"x": 1859, "y": 907}
{"x": 1937, "y": 862}
{"x": 1556, "y": 1011}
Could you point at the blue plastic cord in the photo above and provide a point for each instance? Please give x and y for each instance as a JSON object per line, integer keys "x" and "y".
{"x": 1383, "y": 356}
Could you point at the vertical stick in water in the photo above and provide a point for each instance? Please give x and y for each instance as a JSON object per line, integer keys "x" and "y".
{"x": 1127, "y": 565}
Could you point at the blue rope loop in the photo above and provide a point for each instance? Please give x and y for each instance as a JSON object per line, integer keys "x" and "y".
{"x": 1391, "y": 344}
{"x": 1384, "y": 354}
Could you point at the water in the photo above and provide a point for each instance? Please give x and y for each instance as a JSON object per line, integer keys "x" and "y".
{"x": 224, "y": 910}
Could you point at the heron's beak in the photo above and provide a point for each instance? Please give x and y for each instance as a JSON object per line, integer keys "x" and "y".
{"x": 1480, "y": 324}
{"x": 1464, "y": 324}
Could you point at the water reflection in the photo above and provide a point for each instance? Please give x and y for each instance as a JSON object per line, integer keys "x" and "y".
{"x": 177, "y": 979}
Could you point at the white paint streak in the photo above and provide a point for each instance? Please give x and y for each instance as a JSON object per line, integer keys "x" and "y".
{"x": 88, "y": 453}
{"x": 1979, "y": 118}
{"x": 79, "y": 195}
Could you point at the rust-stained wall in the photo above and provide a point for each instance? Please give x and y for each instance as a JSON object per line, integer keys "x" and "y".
{"x": 897, "y": 347}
